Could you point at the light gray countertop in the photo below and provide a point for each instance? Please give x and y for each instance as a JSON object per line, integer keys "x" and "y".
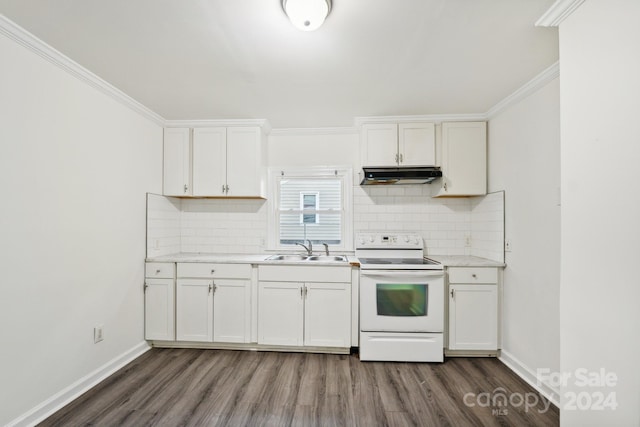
{"x": 241, "y": 259}
{"x": 465, "y": 261}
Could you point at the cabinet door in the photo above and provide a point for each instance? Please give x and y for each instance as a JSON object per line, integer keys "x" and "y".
{"x": 231, "y": 309}
{"x": 244, "y": 162}
{"x": 280, "y": 313}
{"x": 176, "y": 162}
{"x": 417, "y": 144}
{"x": 209, "y": 161}
{"x": 464, "y": 159}
{"x": 158, "y": 310}
{"x": 327, "y": 315}
{"x": 194, "y": 310}
{"x": 473, "y": 317}
{"x": 379, "y": 145}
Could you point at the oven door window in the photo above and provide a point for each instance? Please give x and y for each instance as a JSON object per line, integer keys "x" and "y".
{"x": 401, "y": 299}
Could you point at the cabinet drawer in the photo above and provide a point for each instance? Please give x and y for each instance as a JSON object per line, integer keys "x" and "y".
{"x": 473, "y": 275}
{"x": 159, "y": 270}
{"x": 299, "y": 273}
{"x": 209, "y": 270}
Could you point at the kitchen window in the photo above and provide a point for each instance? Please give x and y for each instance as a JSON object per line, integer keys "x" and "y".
{"x": 311, "y": 204}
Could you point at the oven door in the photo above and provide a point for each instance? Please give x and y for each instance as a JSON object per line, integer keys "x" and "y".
{"x": 401, "y": 301}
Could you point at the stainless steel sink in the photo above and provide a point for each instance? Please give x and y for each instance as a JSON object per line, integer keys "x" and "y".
{"x": 293, "y": 257}
{"x": 305, "y": 258}
{"x": 338, "y": 258}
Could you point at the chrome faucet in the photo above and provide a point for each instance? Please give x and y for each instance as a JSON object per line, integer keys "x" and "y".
{"x": 326, "y": 249}
{"x": 308, "y": 249}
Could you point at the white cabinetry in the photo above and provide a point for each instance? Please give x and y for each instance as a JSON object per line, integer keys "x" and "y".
{"x": 463, "y": 159}
{"x": 473, "y": 308}
{"x": 213, "y": 302}
{"x": 159, "y": 301}
{"x": 176, "y": 171}
{"x": 404, "y": 144}
{"x": 217, "y": 162}
{"x": 304, "y": 306}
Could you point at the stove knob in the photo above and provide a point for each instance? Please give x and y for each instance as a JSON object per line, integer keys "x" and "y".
{"x": 372, "y": 239}
{"x": 361, "y": 241}
{"x": 406, "y": 239}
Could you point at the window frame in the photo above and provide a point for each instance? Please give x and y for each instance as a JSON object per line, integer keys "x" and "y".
{"x": 277, "y": 174}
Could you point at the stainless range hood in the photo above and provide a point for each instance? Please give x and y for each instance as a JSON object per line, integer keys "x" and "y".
{"x": 399, "y": 175}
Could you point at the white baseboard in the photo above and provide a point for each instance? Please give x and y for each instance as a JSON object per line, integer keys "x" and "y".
{"x": 529, "y": 376}
{"x": 68, "y": 394}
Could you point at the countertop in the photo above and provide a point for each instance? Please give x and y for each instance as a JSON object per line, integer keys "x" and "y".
{"x": 446, "y": 260}
{"x": 243, "y": 259}
{"x": 465, "y": 261}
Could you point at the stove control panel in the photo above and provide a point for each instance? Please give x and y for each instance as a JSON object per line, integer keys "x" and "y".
{"x": 388, "y": 240}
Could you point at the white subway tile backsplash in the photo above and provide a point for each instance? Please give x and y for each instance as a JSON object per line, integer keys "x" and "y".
{"x": 240, "y": 226}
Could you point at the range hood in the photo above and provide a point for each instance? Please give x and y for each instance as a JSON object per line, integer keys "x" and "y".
{"x": 399, "y": 175}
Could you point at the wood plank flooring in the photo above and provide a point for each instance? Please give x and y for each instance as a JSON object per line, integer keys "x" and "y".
{"x": 192, "y": 387}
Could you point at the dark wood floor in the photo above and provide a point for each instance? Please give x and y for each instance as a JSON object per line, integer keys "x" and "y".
{"x": 190, "y": 387}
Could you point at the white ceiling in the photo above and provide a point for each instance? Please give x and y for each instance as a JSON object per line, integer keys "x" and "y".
{"x": 242, "y": 59}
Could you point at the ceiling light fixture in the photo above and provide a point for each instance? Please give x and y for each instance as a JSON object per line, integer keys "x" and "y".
{"x": 307, "y": 15}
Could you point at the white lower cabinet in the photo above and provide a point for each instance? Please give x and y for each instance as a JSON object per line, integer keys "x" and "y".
{"x": 280, "y": 313}
{"x": 473, "y": 309}
{"x": 159, "y": 317}
{"x": 304, "y": 313}
{"x": 213, "y": 309}
{"x": 194, "y": 310}
{"x": 158, "y": 309}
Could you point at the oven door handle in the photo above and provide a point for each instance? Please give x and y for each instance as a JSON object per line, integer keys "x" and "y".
{"x": 398, "y": 273}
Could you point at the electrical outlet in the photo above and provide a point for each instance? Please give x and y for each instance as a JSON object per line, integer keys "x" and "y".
{"x": 467, "y": 241}
{"x": 507, "y": 245}
{"x": 98, "y": 334}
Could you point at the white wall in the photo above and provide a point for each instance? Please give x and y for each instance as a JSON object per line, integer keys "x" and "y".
{"x": 524, "y": 160}
{"x": 74, "y": 168}
{"x": 600, "y": 286}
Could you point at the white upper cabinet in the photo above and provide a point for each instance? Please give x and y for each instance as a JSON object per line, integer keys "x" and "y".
{"x": 209, "y": 161}
{"x": 464, "y": 159}
{"x": 246, "y": 162}
{"x": 405, "y": 144}
{"x": 217, "y": 162}
{"x": 417, "y": 144}
{"x": 177, "y": 162}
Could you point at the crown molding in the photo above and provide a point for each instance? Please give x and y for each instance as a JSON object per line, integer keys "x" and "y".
{"x": 263, "y": 123}
{"x": 436, "y": 118}
{"x": 558, "y": 12}
{"x": 527, "y": 89}
{"x": 314, "y": 131}
{"x": 37, "y": 46}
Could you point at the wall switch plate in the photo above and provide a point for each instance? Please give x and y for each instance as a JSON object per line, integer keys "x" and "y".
{"x": 98, "y": 334}
{"x": 507, "y": 245}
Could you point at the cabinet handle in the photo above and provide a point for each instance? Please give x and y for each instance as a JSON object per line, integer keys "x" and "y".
{"x": 301, "y": 292}
{"x": 226, "y": 189}
{"x": 445, "y": 186}
{"x": 185, "y": 189}
{"x": 158, "y": 271}
{"x": 474, "y": 276}
{"x": 210, "y": 287}
{"x": 222, "y": 188}
{"x": 145, "y": 287}
{"x": 396, "y": 157}
{"x": 453, "y": 295}
{"x": 306, "y": 291}
{"x": 213, "y": 271}
{"x": 401, "y": 158}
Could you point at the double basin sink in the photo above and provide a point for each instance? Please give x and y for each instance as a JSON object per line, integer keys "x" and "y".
{"x": 308, "y": 258}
